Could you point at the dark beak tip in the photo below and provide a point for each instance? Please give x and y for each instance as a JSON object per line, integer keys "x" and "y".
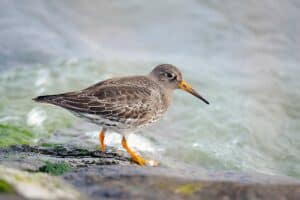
{"x": 205, "y": 101}
{"x": 200, "y": 97}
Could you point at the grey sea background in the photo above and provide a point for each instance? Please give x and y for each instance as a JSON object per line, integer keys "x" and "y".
{"x": 243, "y": 56}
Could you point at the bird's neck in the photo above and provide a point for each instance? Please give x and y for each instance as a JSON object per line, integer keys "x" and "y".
{"x": 153, "y": 77}
{"x": 166, "y": 93}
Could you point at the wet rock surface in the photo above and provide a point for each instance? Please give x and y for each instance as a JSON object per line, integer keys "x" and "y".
{"x": 115, "y": 182}
{"x": 33, "y": 157}
{"x": 112, "y": 175}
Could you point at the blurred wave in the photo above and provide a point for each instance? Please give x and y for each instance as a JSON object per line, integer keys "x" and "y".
{"x": 243, "y": 56}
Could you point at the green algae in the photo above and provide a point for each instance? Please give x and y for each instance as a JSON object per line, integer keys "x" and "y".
{"x": 55, "y": 146}
{"x": 55, "y": 169}
{"x": 189, "y": 189}
{"x": 6, "y": 187}
{"x": 83, "y": 151}
{"x": 11, "y": 135}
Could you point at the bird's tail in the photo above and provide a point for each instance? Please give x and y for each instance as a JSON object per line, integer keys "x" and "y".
{"x": 45, "y": 98}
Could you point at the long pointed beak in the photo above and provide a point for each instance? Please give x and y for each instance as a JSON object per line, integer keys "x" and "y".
{"x": 187, "y": 87}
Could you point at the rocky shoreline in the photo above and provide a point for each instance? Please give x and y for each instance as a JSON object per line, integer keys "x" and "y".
{"x": 94, "y": 175}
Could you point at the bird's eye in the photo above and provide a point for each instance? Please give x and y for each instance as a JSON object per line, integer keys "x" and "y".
{"x": 170, "y": 76}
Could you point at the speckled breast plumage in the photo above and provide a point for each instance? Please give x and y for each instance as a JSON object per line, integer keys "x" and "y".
{"x": 123, "y": 104}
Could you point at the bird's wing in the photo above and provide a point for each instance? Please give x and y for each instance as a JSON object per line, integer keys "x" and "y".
{"x": 107, "y": 100}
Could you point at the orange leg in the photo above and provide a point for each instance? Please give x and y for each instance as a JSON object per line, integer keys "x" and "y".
{"x": 101, "y": 139}
{"x": 134, "y": 156}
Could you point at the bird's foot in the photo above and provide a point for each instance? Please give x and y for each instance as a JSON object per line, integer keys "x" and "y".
{"x": 102, "y": 148}
{"x": 137, "y": 158}
{"x": 143, "y": 162}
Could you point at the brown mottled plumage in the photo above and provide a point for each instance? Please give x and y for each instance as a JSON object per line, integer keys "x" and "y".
{"x": 124, "y": 104}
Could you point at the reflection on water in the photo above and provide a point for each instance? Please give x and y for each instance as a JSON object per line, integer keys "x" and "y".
{"x": 242, "y": 56}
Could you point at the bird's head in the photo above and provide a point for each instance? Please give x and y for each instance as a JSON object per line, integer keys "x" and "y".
{"x": 171, "y": 78}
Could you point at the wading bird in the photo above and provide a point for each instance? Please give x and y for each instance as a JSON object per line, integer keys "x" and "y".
{"x": 125, "y": 104}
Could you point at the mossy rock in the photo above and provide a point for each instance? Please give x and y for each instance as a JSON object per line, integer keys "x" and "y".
{"x": 6, "y": 187}
{"x": 35, "y": 185}
{"x": 55, "y": 169}
{"x": 11, "y": 135}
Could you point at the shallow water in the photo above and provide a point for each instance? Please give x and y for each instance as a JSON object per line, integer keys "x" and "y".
{"x": 242, "y": 56}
